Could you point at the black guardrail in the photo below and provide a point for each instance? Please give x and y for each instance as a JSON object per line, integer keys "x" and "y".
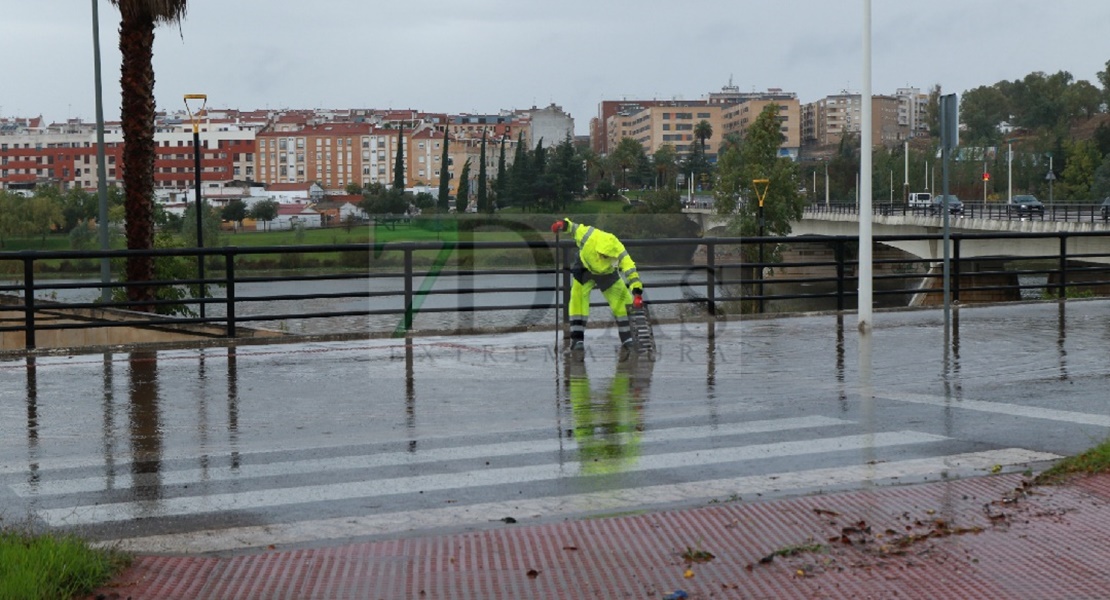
{"x": 263, "y": 284}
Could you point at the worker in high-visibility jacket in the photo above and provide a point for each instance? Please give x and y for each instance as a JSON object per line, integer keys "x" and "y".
{"x": 603, "y": 263}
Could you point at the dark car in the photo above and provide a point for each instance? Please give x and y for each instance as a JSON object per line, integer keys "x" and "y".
{"x": 955, "y": 207}
{"x": 1104, "y": 210}
{"x": 1025, "y": 205}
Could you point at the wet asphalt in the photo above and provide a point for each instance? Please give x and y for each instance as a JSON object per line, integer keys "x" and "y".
{"x": 230, "y": 448}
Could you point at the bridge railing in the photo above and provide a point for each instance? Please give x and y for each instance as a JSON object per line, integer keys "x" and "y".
{"x": 380, "y": 288}
{"x": 399, "y": 288}
{"x": 820, "y": 272}
{"x": 1082, "y": 213}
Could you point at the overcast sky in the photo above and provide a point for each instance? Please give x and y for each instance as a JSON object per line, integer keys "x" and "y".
{"x": 480, "y": 56}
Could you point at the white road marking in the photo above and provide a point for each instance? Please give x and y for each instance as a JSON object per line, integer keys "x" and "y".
{"x": 345, "y": 528}
{"x": 123, "y": 511}
{"x": 1004, "y": 408}
{"x": 124, "y": 480}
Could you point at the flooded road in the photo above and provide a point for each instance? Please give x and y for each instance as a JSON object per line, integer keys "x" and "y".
{"x": 221, "y": 449}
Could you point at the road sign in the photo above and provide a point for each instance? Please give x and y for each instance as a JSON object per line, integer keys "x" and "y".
{"x": 986, "y": 176}
{"x": 765, "y": 183}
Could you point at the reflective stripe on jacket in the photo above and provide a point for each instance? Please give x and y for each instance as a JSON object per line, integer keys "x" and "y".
{"x": 602, "y": 253}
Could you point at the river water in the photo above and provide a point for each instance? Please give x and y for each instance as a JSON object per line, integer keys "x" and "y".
{"x": 441, "y": 302}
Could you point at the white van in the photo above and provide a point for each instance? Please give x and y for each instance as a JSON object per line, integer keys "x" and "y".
{"x": 919, "y": 200}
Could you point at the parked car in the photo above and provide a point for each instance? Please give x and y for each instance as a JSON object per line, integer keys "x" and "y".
{"x": 938, "y": 203}
{"x": 1104, "y": 210}
{"x": 1025, "y": 205}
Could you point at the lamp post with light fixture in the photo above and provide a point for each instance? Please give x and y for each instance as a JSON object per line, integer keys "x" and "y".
{"x": 195, "y": 118}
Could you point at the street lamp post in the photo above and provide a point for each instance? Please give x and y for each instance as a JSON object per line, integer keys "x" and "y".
{"x": 1050, "y": 177}
{"x": 195, "y": 118}
{"x": 760, "y": 195}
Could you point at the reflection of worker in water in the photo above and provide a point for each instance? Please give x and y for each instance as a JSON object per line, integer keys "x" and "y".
{"x": 608, "y": 423}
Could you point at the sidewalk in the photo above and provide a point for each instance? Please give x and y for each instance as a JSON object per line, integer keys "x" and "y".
{"x": 982, "y": 538}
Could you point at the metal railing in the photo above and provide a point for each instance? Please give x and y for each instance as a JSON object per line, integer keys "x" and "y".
{"x": 263, "y": 284}
{"x": 1074, "y": 213}
{"x": 397, "y": 283}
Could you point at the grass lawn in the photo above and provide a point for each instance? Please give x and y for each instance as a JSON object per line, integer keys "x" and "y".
{"x": 50, "y": 567}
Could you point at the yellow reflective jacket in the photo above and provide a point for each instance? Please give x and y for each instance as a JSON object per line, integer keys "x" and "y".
{"x": 602, "y": 253}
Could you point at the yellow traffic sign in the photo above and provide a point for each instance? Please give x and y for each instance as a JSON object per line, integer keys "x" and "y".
{"x": 756, "y": 183}
{"x": 194, "y": 116}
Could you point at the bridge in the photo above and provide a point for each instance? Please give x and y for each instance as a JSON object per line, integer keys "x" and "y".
{"x": 819, "y": 220}
{"x": 895, "y": 221}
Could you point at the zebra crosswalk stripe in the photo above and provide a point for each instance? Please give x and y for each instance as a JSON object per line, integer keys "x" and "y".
{"x": 122, "y": 511}
{"x": 533, "y": 509}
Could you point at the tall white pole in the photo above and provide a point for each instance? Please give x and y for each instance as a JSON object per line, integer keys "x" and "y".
{"x": 101, "y": 176}
{"x": 826, "y": 184}
{"x": 865, "y": 283}
{"x": 1009, "y": 173}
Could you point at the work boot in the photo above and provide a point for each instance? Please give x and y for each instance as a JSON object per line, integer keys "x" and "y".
{"x": 627, "y": 348}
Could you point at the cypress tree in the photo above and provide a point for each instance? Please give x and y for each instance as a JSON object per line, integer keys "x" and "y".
{"x": 483, "y": 198}
{"x": 520, "y": 181}
{"x": 499, "y": 189}
{"x": 399, "y": 165}
{"x": 444, "y": 178}
{"x": 464, "y": 188}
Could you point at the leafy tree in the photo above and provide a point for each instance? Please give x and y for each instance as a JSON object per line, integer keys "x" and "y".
{"x": 352, "y": 188}
{"x": 595, "y": 167}
{"x": 697, "y": 166}
{"x": 981, "y": 110}
{"x": 1082, "y": 100}
{"x": 264, "y": 210}
{"x": 444, "y": 177}
{"x": 42, "y": 213}
{"x": 210, "y": 222}
{"x": 170, "y": 268}
{"x": 9, "y": 215}
{"x": 759, "y": 159}
{"x": 484, "y": 205}
{"x": 82, "y": 236}
{"x": 399, "y": 161}
{"x": 730, "y": 180}
{"x": 1100, "y": 185}
{"x": 385, "y": 202}
{"x": 626, "y": 157}
{"x": 606, "y": 190}
{"x": 462, "y": 199}
{"x": 234, "y": 211}
{"x": 78, "y": 206}
{"x": 932, "y": 111}
{"x": 138, "y": 19}
{"x": 1078, "y": 176}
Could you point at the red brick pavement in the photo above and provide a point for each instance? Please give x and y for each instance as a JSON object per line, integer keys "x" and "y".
{"x": 984, "y": 538}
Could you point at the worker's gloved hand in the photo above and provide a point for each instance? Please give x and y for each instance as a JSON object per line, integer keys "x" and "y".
{"x": 637, "y": 297}
{"x": 560, "y": 225}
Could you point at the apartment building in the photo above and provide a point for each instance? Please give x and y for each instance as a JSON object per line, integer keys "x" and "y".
{"x": 602, "y": 139}
{"x": 826, "y": 121}
{"x": 913, "y": 105}
{"x": 64, "y": 154}
{"x": 737, "y": 118}
{"x": 673, "y": 124}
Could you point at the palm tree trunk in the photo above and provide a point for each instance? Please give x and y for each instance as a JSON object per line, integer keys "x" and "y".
{"x": 136, "y": 44}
